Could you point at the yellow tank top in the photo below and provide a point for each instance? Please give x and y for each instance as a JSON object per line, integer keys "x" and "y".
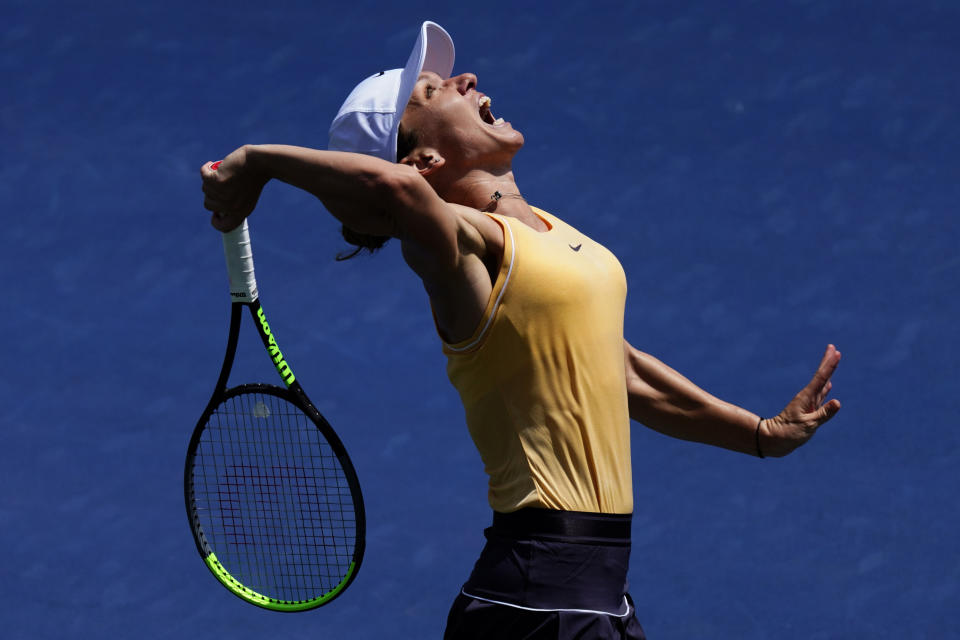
{"x": 542, "y": 378}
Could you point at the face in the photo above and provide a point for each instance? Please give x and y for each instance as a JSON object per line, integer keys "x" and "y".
{"x": 454, "y": 118}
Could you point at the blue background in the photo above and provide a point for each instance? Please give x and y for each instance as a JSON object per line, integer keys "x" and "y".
{"x": 773, "y": 175}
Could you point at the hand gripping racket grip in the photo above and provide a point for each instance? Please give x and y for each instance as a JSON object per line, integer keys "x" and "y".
{"x": 236, "y": 247}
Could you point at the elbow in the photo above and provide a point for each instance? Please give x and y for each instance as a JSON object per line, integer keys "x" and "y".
{"x": 422, "y": 219}
{"x": 385, "y": 198}
{"x": 399, "y": 186}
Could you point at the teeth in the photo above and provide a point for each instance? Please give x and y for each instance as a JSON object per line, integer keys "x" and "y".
{"x": 498, "y": 121}
{"x": 485, "y": 102}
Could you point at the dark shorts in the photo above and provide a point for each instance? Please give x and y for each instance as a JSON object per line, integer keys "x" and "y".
{"x": 549, "y": 574}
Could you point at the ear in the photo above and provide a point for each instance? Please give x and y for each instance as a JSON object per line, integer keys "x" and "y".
{"x": 425, "y": 160}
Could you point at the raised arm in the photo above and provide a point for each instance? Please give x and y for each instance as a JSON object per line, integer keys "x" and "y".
{"x": 367, "y": 194}
{"x": 664, "y": 400}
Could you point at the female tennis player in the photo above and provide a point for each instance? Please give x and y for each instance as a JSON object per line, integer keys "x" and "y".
{"x": 530, "y": 314}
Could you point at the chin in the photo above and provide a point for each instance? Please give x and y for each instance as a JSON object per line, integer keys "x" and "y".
{"x": 516, "y": 138}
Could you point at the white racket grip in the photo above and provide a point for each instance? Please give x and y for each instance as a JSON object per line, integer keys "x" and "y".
{"x": 236, "y": 247}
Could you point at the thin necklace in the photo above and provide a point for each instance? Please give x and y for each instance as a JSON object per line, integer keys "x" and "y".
{"x": 495, "y": 200}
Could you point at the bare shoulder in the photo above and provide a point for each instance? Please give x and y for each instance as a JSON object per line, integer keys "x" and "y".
{"x": 477, "y": 237}
{"x": 478, "y": 233}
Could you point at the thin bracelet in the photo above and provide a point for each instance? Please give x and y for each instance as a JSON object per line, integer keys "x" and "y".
{"x": 759, "y": 452}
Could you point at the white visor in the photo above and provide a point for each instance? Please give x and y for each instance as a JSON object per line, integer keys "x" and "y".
{"x": 370, "y": 117}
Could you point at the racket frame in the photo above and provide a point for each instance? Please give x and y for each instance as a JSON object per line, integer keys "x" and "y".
{"x": 244, "y": 294}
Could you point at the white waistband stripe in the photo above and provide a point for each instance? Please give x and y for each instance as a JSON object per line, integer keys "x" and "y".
{"x": 626, "y": 606}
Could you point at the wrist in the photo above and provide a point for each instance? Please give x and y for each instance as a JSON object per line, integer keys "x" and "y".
{"x": 757, "y": 437}
{"x": 256, "y": 161}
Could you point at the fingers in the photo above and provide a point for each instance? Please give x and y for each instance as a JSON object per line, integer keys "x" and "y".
{"x": 210, "y": 185}
{"x": 212, "y": 202}
{"x": 829, "y": 362}
{"x": 807, "y": 404}
{"x": 827, "y": 411}
{"x": 220, "y": 198}
{"x": 213, "y": 199}
{"x": 821, "y": 385}
{"x": 821, "y": 379}
{"x": 824, "y": 391}
{"x": 807, "y": 412}
{"x": 208, "y": 169}
{"x": 225, "y": 223}
{"x": 224, "y": 217}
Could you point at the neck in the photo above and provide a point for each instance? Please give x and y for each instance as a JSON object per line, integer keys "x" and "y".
{"x": 476, "y": 190}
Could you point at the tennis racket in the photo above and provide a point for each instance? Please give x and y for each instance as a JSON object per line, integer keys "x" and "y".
{"x": 272, "y": 497}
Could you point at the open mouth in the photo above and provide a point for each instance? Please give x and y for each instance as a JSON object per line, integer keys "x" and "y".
{"x": 485, "y": 114}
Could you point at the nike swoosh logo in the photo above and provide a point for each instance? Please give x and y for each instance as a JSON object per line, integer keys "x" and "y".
{"x": 576, "y": 248}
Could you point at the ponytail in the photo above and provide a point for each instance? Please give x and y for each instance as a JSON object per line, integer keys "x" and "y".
{"x": 362, "y": 242}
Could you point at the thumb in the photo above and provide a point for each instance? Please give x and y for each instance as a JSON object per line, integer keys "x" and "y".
{"x": 827, "y": 411}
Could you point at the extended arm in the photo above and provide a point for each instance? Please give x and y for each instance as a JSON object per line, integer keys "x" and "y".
{"x": 664, "y": 400}
{"x": 367, "y": 194}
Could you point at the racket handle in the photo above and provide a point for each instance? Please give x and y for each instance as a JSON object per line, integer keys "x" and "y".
{"x": 236, "y": 247}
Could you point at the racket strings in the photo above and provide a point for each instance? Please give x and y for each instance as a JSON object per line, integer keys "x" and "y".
{"x": 273, "y": 500}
